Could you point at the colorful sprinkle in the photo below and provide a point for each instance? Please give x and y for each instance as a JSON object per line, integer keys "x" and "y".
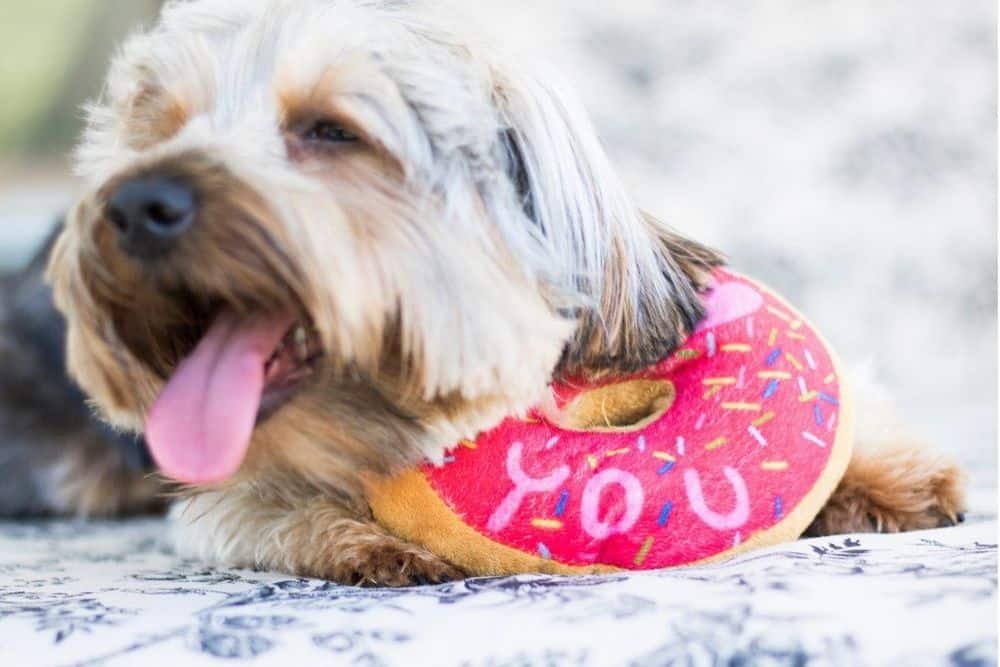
{"x": 665, "y": 513}
{"x": 802, "y": 385}
{"x": 808, "y": 396}
{"x": 547, "y": 524}
{"x": 773, "y": 357}
{"x": 711, "y": 344}
{"x": 771, "y": 388}
{"x": 833, "y": 420}
{"x": 813, "y": 439}
{"x": 779, "y": 314}
{"x": 772, "y": 338}
{"x": 796, "y": 324}
{"x": 712, "y": 392}
{"x": 718, "y": 382}
{"x": 774, "y": 375}
{"x": 741, "y": 377}
{"x": 544, "y": 552}
{"x": 561, "y": 505}
{"x": 766, "y": 417}
{"x": 747, "y": 407}
{"x": 774, "y": 466}
{"x": 829, "y": 379}
{"x": 641, "y": 443}
{"x": 617, "y": 452}
{"x": 793, "y": 361}
{"x": 592, "y": 460}
{"x": 757, "y": 435}
{"x": 680, "y": 445}
{"x": 817, "y": 414}
{"x": 468, "y": 444}
{"x": 688, "y": 354}
{"x": 810, "y": 361}
{"x": 665, "y": 468}
{"x": 737, "y": 538}
{"x": 644, "y": 550}
{"x": 736, "y": 347}
{"x": 795, "y": 336}
{"x": 715, "y": 444}
{"x": 778, "y": 508}
{"x": 449, "y": 459}
{"x": 552, "y": 442}
{"x": 663, "y": 456}
{"x": 828, "y": 398}
{"x": 701, "y": 422}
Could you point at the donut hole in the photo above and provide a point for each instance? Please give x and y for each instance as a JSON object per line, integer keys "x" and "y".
{"x": 621, "y": 407}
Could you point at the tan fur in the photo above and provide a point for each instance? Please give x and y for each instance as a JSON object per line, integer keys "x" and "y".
{"x": 475, "y": 243}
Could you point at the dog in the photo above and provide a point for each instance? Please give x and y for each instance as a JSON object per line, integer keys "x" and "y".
{"x": 58, "y": 458}
{"x": 323, "y": 241}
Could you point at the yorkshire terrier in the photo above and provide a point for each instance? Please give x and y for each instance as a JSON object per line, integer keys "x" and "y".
{"x": 325, "y": 240}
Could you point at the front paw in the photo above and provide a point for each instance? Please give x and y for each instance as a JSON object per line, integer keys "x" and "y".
{"x": 390, "y": 566}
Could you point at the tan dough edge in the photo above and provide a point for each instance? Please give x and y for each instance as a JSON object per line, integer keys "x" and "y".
{"x": 409, "y": 508}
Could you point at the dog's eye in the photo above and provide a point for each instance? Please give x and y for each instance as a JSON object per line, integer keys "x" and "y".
{"x": 330, "y": 132}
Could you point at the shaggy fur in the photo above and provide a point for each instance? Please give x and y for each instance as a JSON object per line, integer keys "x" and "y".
{"x": 472, "y": 244}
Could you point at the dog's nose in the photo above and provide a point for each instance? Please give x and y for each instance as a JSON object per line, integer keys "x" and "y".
{"x": 151, "y": 213}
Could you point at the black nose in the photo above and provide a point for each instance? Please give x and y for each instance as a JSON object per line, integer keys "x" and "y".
{"x": 151, "y": 213}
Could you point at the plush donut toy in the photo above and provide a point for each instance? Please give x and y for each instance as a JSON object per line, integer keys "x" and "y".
{"x": 733, "y": 442}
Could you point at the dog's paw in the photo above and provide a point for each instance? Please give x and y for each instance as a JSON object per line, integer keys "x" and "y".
{"x": 894, "y": 490}
{"x": 393, "y": 567}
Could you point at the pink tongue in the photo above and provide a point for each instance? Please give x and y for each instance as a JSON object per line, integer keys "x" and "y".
{"x": 199, "y": 428}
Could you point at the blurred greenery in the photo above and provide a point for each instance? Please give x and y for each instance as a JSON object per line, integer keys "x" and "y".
{"x": 53, "y": 54}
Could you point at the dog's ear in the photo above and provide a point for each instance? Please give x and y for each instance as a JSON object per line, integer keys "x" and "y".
{"x": 638, "y": 280}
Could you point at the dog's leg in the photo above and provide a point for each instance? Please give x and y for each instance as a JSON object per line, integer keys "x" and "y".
{"x": 891, "y": 483}
{"x": 318, "y": 537}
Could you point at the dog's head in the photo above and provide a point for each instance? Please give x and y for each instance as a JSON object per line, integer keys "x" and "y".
{"x": 294, "y": 201}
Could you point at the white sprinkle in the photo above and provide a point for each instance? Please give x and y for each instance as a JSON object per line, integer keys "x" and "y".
{"x": 552, "y": 442}
{"x": 813, "y": 439}
{"x": 809, "y": 359}
{"x": 701, "y": 422}
{"x": 711, "y": 344}
{"x": 641, "y": 443}
{"x": 802, "y": 386}
{"x": 833, "y": 420}
{"x": 737, "y": 539}
{"x": 680, "y": 445}
{"x": 741, "y": 378}
{"x": 757, "y": 435}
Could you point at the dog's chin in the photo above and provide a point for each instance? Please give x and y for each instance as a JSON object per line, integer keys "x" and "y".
{"x": 237, "y": 372}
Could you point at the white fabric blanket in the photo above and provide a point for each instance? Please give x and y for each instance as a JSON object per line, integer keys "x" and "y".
{"x": 113, "y": 594}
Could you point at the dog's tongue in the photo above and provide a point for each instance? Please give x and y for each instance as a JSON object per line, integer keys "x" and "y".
{"x": 200, "y": 427}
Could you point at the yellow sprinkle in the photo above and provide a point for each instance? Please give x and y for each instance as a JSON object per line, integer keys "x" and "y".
{"x": 711, "y": 382}
{"x": 796, "y": 324}
{"x": 715, "y": 444}
{"x": 829, "y": 379}
{"x": 777, "y": 313}
{"x": 793, "y": 361}
{"x": 470, "y": 444}
{"x": 529, "y": 420}
{"x": 687, "y": 354}
{"x": 617, "y": 452}
{"x": 774, "y": 465}
{"x": 774, "y": 375}
{"x": 808, "y": 396}
{"x": 772, "y": 338}
{"x": 763, "y": 419}
{"x": 547, "y": 524}
{"x": 644, "y": 550}
{"x": 592, "y": 460}
{"x": 712, "y": 392}
{"x": 663, "y": 456}
{"x": 749, "y": 407}
{"x": 796, "y": 336}
{"x": 736, "y": 347}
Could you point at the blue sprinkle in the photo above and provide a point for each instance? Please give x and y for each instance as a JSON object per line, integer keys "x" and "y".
{"x": 665, "y": 513}
{"x": 777, "y": 507}
{"x": 449, "y": 459}
{"x": 711, "y": 344}
{"x": 818, "y": 414}
{"x": 561, "y": 506}
{"x": 773, "y": 357}
{"x": 544, "y": 552}
{"x": 772, "y": 387}
{"x": 828, "y": 398}
{"x": 667, "y": 467}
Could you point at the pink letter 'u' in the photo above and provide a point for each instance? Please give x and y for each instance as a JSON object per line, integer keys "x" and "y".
{"x": 523, "y": 485}
{"x": 731, "y": 521}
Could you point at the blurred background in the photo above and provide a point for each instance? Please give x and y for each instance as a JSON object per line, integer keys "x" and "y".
{"x": 844, "y": 152}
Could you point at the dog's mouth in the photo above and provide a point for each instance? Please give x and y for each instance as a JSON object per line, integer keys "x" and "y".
{"x": 240, "y": 372}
